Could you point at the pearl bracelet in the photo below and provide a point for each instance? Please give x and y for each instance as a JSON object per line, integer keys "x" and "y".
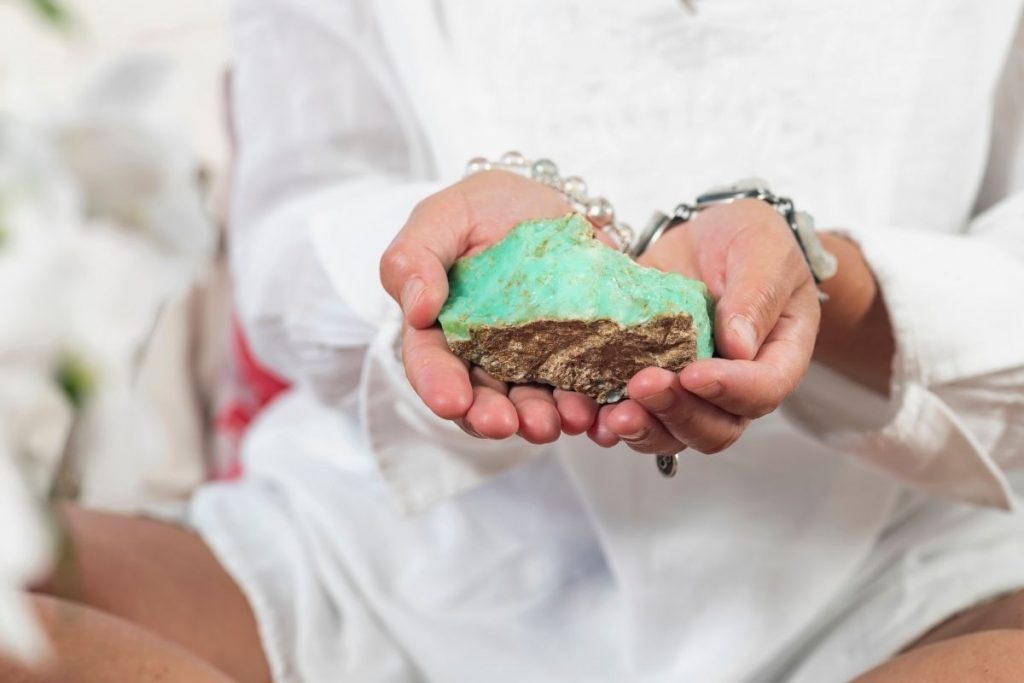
{"x": 598, "y": 210}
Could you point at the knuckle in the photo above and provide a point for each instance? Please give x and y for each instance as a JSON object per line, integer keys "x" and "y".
{"x": 759, "y": 305}
{"x": 444, "y": 208}
{"x": 763, "y": 303}
{"x": 425, "y": 205}
{"x": 395, "y": 260}
{"x": 451, "y": 203}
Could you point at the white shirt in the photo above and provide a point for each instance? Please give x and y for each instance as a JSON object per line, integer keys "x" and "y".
{"x": 899, "y": 122}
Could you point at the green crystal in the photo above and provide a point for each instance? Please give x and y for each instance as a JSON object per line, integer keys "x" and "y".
{"x": 551, "y": 303}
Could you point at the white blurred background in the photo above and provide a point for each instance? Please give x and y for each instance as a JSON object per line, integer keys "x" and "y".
{"x": 40, "y": 67}
{"x": 115, "y": 320}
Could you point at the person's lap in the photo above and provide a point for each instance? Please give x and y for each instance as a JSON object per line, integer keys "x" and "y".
{"x": 163, "y": 579}
{"x": 160, "y": 596}
{"x": 91, "y": 646}
{"x": 986, "y": 656}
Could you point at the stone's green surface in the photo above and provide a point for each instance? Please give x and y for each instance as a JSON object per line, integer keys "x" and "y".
{"x": 596, "y": 299}
{"x": 557, "y": 270}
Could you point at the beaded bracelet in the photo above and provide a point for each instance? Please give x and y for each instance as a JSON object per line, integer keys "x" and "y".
{"x": 598, "y": 210}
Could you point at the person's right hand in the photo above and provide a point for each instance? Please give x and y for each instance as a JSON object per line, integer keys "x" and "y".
{"x": 462, "y": 220}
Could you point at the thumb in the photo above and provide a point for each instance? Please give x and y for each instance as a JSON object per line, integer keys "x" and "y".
{"x": 758, "y": 284}
{"x": 414, "y": 268}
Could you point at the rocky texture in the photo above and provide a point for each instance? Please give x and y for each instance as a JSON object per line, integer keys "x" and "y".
{"x": 550, "y": 303}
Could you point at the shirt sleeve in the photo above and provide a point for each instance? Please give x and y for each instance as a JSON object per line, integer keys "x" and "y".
{"x": 955, "y": 420}
{"x": 325, "y": 141}
{"x": 329, "y": 166}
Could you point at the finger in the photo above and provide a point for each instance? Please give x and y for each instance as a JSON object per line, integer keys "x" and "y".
{"x": 641, "y": 431}
{"x": 689, "y": 418}
{"x": 414, "y": 268}
{"x": 440, "y": 378}
{"x": 762, "y": 272}
{"x": 755, "y": 388}
{"x": 492, "y": 414}
{"x": 577, "y": 412}
{"x": 599, "y": 432}
{"x": 538, "y": 415}
{"x": 461, "y": 422}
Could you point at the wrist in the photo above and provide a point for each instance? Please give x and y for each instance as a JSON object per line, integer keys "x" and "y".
{"x": 855, "y": 337}
{"x": 821, "y": 263}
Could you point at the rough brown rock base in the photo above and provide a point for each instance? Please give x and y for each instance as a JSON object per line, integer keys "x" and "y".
{"x": 596, "y": 358}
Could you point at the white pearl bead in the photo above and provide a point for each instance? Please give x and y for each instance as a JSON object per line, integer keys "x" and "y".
{"x": 513, "y": 159}
{"x": 600, "y": 212}
{"x": 579, "y": 208}
{"x": 614, "y": 235}
{"x": 543, "y": 169}
{"x": 552, "y": 181}
{"x": 476, "y": 165}
{"x": 575, "y": 187}
{"x": 627, "y": 233}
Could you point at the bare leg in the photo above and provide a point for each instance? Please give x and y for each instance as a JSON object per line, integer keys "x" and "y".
{"x": 984, "y": 644}
{"x": 1006, "y": 612}
{"x": 985, "y": 657}
{"x": 92, "y": 647}
{"x": 163, "y": 579}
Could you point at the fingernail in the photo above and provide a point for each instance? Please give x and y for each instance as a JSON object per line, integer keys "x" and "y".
{"x": 712, "y": 389}
{"x": 745, "y": 331}
{"x": 659, "y": 401}
{"x": 634, "y": 436}
{"x": 411, "y": 293}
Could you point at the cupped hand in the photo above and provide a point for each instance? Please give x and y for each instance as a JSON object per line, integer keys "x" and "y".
{"x": 766, "y": 322}
{"x": 462, "y": 220}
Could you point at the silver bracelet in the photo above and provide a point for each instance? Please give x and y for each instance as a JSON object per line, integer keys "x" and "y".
{"x": 598, "y": 210}
{"x": 822, "y": 263}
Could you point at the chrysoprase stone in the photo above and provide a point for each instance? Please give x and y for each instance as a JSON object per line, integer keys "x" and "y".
{"x": 550, "y": 303}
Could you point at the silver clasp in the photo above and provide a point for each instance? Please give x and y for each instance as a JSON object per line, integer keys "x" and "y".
{"x": 656, "y": 227}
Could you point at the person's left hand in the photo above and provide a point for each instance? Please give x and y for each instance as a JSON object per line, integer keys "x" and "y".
{"x": 766, "y": 321}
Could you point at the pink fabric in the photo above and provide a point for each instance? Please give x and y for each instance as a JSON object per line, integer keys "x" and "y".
{"x": 250, "y": 389}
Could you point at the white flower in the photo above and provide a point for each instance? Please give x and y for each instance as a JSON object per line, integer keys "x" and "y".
{"x": 33, "y": 301}
{"x": 25, "y": 551}
{"x": 101, "y": 223}
{"x": 123, "y": 280}
{"x": 133, "y": 169}
{"x": 38, "y": 195}
{"x": 37, "y": 420}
